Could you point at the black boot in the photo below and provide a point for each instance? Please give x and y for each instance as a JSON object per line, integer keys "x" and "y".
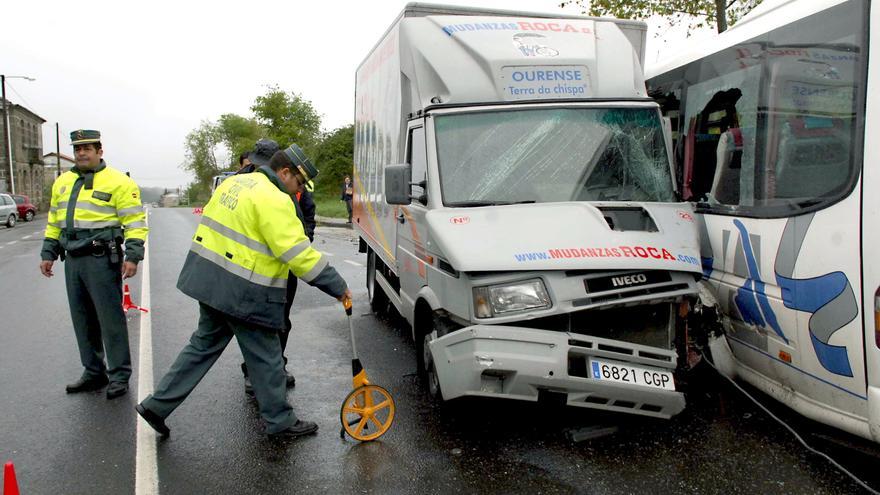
{"x": 117, "y": 389}
{"x": 154, "y": 420}
{"x": 87, "y": 384}
{"x": 298, "y": 429}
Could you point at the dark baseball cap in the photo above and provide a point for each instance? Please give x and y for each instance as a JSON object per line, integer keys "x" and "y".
{"x": 263, "y": 151}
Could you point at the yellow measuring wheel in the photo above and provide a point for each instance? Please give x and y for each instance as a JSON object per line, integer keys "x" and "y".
{"x": 367, "y": 411}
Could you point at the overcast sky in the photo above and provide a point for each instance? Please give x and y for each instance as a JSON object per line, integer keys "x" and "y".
{"x": 146, "y": 74}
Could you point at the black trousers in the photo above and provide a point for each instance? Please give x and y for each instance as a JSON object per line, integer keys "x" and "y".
{"x": 288, "y": 325}
{"x": 284, "y": 334}
{"x": 260, "y": 348}
{"x": 94, "y": 293}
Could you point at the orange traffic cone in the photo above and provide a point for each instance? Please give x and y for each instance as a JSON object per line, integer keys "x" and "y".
{"x": 128, "y": 304}
{"x": 10, "y": 485}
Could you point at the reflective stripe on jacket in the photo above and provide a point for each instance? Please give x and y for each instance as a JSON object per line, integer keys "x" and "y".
{"x": 248, "y": 239}
{"x": 114, "y": 200}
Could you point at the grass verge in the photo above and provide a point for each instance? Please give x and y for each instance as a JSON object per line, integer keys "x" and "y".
{"x": 329, "y": 205}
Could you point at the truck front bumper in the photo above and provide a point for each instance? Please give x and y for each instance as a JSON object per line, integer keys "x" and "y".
{"x": 528, "y": 364}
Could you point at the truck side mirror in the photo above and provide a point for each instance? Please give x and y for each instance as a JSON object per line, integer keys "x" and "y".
{"x": 398, "y": 190}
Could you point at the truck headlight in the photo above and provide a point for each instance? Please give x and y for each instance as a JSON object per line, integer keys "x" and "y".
{"x": 498, "y": 300}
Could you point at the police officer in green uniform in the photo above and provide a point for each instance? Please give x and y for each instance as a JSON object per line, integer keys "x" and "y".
{"x": 94, "y": 210}
{"x": 237, "y": 267}
{"x": 262, "y": 153}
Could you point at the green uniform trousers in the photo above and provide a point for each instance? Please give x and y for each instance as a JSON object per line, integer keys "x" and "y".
{"x": 262, "y": 354}
{"x": 94, "y": 293}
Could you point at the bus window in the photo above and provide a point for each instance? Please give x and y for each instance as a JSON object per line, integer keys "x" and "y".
{"x": 811, "y": 122}
{"x": 768, "y": 126}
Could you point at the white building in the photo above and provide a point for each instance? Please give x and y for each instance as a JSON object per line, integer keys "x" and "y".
{"x": 50, "y": 163}
{"x": 170, "y": 200}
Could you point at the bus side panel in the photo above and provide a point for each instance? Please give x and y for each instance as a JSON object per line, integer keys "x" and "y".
{"x": 790, "y": 288}
{"x": 870, "y": 230}
{"x": 772, "y": 276}
{"x": 377, "y": 143}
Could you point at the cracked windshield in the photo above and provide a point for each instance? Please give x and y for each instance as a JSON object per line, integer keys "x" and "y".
{"x": 550, "y": 155}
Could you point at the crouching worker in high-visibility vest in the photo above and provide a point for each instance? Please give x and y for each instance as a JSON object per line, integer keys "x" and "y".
{"x": 248, "y": 240}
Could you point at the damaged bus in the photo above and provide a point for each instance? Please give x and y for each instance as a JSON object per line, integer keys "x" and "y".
{"x": 770, "y": 123}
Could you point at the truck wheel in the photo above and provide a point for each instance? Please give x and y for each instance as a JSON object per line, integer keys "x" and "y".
{"x": 378, "y": 298}
{"x": 439, "y": 328}
{"x": 432, "y": 383}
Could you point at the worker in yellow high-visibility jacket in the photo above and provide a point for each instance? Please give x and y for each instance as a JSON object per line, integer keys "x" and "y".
{"x": 248, "y": 239}
{"x": 262, "y": 153}
{"x": 94, "y": 208}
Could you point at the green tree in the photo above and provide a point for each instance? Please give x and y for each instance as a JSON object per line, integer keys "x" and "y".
{"x": 197, "y": 193}
{"x": 699, "y": 13}
{"x": 334, "y": 157}
{"x": 288, "y": 118}
{"x": 201, "y": 159}
{"x": 238, "y": 134}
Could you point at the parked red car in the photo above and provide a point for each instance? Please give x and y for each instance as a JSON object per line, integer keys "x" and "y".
{"x": 26, "y": 209}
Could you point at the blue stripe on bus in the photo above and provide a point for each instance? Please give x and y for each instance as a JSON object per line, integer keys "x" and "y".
{"x": 863, "y": 397}
{"x": 756, "y": 284}
{"x": 810, "y": 294}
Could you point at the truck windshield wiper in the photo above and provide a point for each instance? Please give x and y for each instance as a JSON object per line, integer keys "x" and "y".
{"x": 479, "y": 202}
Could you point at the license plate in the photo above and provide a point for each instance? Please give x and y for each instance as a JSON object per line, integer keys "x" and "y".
{"x": 634, "y": 375}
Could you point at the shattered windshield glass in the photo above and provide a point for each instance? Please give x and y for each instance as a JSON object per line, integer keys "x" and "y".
{"x": 550, "y": 155}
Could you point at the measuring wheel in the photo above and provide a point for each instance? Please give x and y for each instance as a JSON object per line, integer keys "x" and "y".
{"x": 367, "y": 413}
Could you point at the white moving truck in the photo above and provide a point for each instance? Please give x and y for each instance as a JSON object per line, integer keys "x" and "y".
{"x": 513, "y": 191}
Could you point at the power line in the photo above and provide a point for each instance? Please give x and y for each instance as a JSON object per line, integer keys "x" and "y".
{"x": 18, "y": 94}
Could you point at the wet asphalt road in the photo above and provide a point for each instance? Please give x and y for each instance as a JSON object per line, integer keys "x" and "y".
{"x": 86, "y": 444}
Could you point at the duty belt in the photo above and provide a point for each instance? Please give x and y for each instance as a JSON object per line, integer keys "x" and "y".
{"x": 98, "y": 248}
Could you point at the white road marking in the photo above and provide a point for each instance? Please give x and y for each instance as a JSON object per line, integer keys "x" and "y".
{"x": 355, "y": 263}
{"x": 27, "y": 237}
{"x": 146, "y": 467}
{"x": 327, "y": 254}
{"x": 11, "y": 243}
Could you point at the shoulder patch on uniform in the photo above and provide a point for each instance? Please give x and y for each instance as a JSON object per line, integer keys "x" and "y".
{"x": 102, "y": 195}
{"x": 63, "y": 188}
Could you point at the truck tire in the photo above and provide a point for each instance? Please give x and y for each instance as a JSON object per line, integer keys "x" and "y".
{"x": 439, "y": 327}
{"x": 432, "y": 382}
{"x": 378, "y": 299}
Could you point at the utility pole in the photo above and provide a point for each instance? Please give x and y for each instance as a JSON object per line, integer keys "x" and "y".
{"x": 7, "y": 132}
{"x": 58, "y": 149}
{"x": 6, "y": 139}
